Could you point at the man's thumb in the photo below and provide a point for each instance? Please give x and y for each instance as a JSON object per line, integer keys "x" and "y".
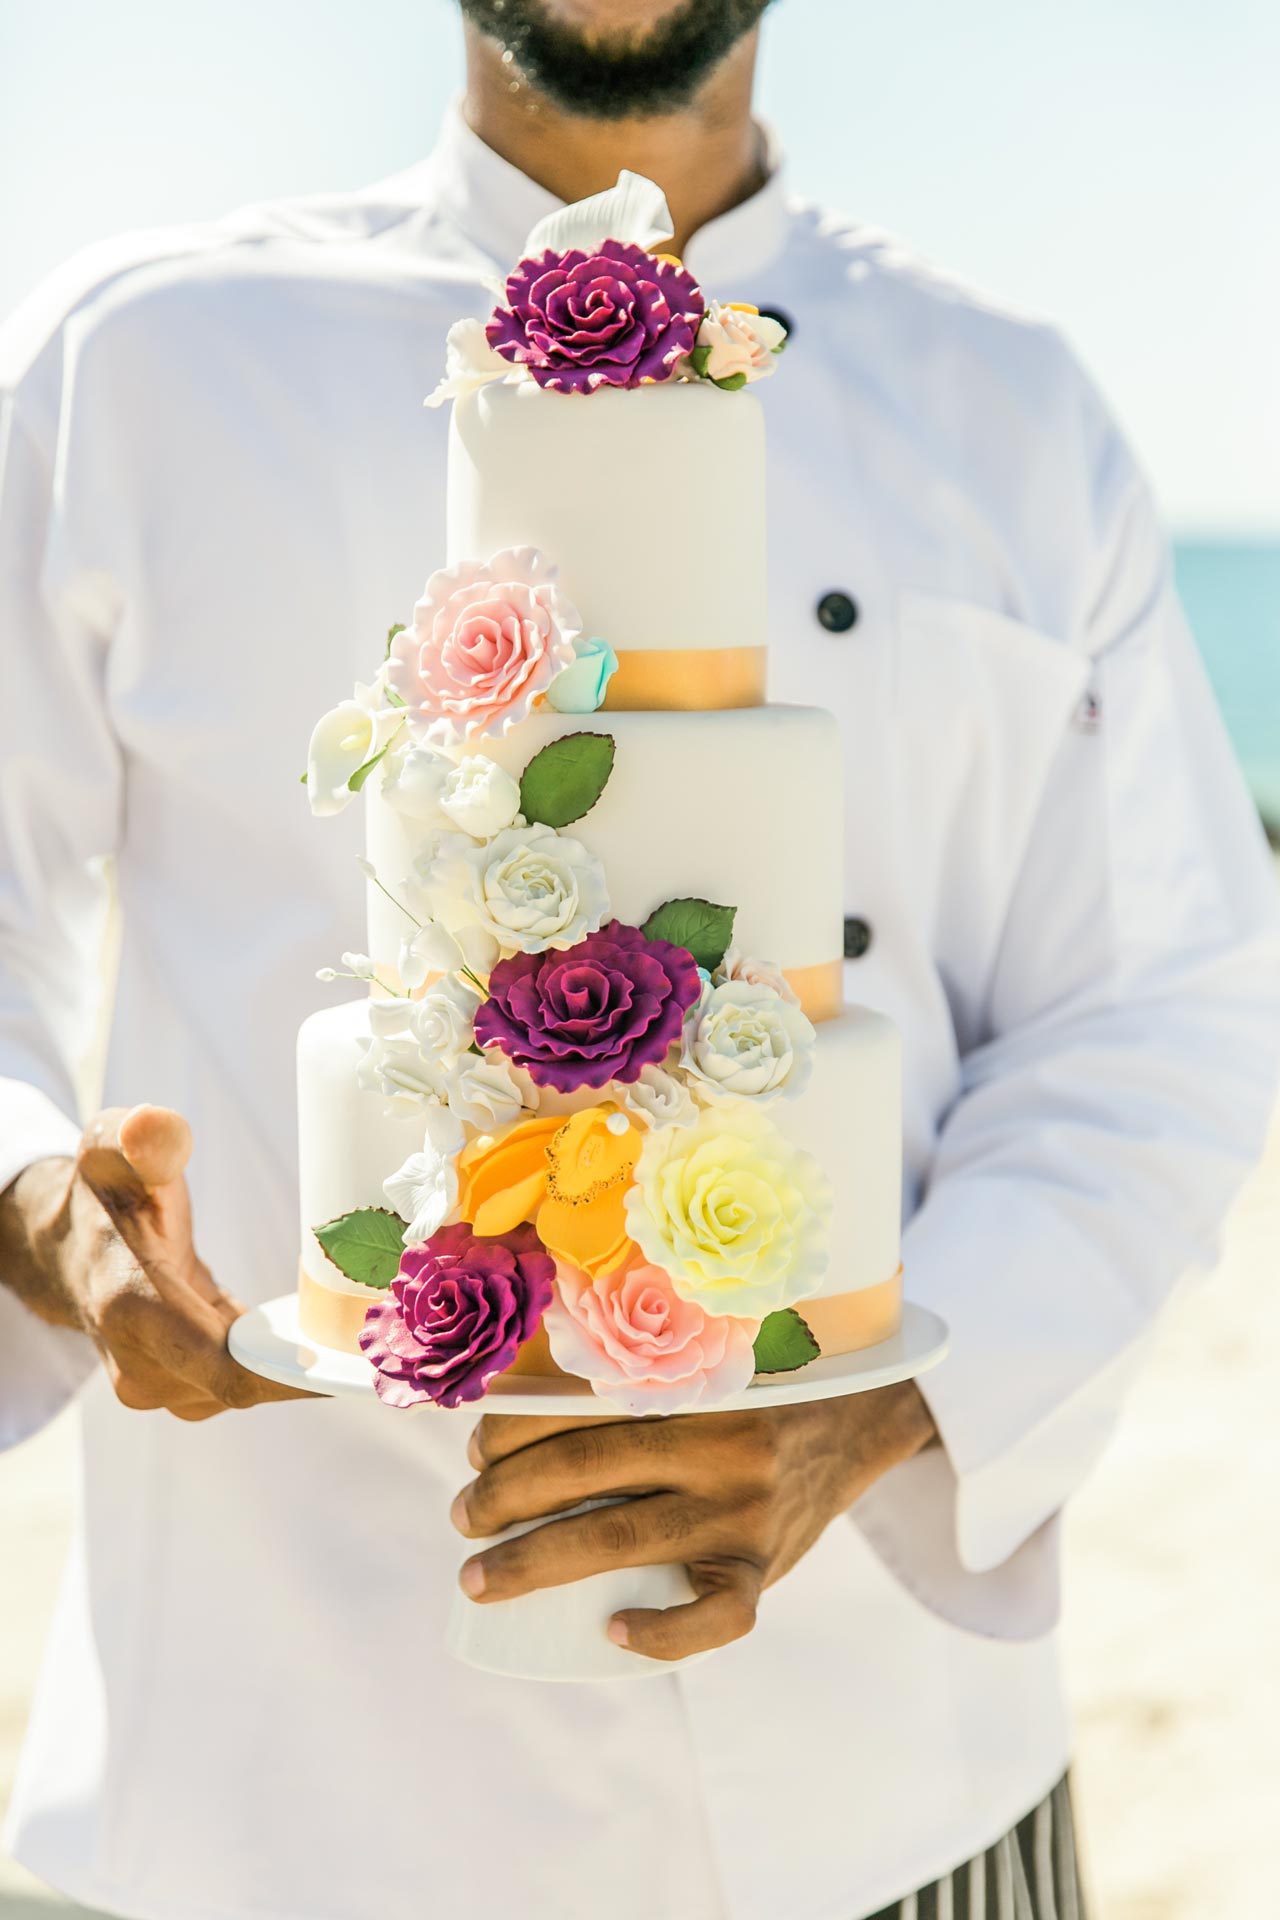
{"x": 132, "y": 1158}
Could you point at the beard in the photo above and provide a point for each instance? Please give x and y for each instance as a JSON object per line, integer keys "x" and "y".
{"x": 616, "y": 76}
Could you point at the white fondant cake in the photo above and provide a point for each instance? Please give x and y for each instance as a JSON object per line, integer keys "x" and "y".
{"x": 699, "y": 804}
{"x": 651, "y": 502}
{"x": 604, "y": 1111}
{"x": 849, "y": 1118}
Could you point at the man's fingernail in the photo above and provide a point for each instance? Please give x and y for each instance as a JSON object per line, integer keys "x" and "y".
{"x": 471, "y": 1579}
{"x": 458, "y": 1513}
{"x": 473, "y": 1451}
{"x": 618, "y": 1633}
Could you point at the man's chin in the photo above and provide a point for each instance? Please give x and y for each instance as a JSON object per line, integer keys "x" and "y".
{"x": 615, "y": 59}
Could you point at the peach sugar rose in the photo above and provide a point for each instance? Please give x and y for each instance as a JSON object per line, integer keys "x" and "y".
{"x": 486, "y": 641}
{"x": 643, "y": 1348}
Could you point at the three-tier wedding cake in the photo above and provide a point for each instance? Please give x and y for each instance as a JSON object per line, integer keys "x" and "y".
{"x": 602, "y": 1111}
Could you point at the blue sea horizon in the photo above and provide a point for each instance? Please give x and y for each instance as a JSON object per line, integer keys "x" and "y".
{"x": 1231, "y": 591}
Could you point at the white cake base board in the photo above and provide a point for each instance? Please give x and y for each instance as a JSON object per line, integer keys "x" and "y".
{"x": 560, "y": 1633}
{"x": 268, "y": 1340}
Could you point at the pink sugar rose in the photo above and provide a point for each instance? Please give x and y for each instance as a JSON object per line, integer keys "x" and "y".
{"x": 486, "y": 640}
{"x": 643, "y": 1348}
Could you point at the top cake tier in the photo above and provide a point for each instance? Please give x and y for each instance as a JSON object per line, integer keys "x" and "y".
{"x": 651, "y": 502}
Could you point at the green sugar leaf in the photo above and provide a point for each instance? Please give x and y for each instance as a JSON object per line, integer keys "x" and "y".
{"x": 731, "y": 382}
{"x": 784, "y": 1343}
{"x": 365, "y": 1245}
{"x": 698, "y": 361}
{"x": 566, "y": 778}
{"x": 361, "y": 774}
{"x": 699, "y": 926}
{"x": 391, "y": 634}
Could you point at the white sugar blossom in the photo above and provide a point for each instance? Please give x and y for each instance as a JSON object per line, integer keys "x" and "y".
{"x": 431, "y": 948}
{"x": 484, "y": 1091}
{"x": 469, "y": 362}
{"x": 737, "y": 965}
{"x": 443, "y": 1020}
{"x": 396, "y": 1067}
{"x": 480, "y": 797}
{"x": 736, "y": 345}
{"x": 358, "y": 964}
{"x": 388, "y": 1015}
{"x": 413, "y": 780}
{"x": 424, "y": 1191}
{"x": 529, "y": 888}
{"x": 660, "y": 1098}
{"x": 744, "y": 1039}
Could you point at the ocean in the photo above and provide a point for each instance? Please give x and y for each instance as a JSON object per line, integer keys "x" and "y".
{"x": 1231, "y": 591}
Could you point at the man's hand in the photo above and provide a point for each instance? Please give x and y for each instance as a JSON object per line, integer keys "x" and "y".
{"x": 103, "y": 1243}
{"x": 738, "y": 1497}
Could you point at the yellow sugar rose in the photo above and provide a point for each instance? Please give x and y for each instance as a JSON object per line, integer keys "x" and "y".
{"x": 733, "y": 1212}
{"x": 569, "y": 1177}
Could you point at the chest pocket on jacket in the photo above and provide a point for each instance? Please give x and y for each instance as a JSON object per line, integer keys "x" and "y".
{"x": 981, "y": 706}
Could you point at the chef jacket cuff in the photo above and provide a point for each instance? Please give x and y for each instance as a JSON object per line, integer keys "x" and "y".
{"x": 1043, "y": 1348}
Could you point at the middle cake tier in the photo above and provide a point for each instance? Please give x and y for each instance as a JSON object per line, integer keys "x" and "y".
{"x": 743, "y": 808}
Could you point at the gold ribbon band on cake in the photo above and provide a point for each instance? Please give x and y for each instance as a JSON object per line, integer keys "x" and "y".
{"x": 839, "y": 1322}
{"x": 819, "y": 989}
{"x": 687, "y": 679}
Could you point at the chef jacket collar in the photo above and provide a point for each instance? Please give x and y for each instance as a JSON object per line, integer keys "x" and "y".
{"x": 495, "y": 205}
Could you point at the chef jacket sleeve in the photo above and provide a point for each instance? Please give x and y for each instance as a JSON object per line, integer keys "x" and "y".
{"x": 1119, "y": 1094}
{"x": 60, "y": 803}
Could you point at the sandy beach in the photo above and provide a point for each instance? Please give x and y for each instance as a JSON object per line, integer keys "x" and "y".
{"x": 1173, "y": 1556}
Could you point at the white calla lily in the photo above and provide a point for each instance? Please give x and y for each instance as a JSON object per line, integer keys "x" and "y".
{"x": 634, "y": 211}
{"x": 341, "y": 741}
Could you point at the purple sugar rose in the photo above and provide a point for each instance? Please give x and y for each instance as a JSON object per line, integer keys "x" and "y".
{"x": 591, "y": 1013}
{"x": 459, "y": 1308}
{"x": 618, "y": 317}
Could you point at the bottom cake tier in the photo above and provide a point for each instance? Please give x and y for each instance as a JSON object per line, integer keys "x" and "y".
{"x": 849, "y": 1118}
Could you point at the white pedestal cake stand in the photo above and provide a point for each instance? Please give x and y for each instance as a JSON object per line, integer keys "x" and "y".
{"x": 559, "y": 1633}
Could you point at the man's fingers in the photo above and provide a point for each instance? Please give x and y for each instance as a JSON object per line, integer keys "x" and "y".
{"x": 724, "y": 1611}
{"x": 569, "y": 1466}
{"x": 498, "y": 1434}
{"x": 126, "y": 1153}
{"x": 627, "y": 1533}
{"x": 132, "y": 1160}
{"x": 156, "y": 1142}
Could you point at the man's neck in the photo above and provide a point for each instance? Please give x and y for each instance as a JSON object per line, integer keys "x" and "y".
{"x": 706, "y": 158}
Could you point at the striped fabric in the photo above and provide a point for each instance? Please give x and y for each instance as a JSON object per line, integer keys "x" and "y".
{"x": 1031, "y": 1874}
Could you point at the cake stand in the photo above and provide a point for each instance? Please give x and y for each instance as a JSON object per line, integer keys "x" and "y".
{"x": 558, "y": 1633}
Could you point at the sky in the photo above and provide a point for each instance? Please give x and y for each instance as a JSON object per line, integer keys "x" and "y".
{"x": 1109, "y": 163}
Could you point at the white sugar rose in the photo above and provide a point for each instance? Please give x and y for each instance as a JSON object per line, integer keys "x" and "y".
{"x": 396, "y": 1067}
{"x": 660, "y": 1099}
{"x": 484, "y": 1092}
{"x": 761, "y": 973}
{"x": 739, "y": 344}
{"x": 736, "y": 1215}
{"x": 413, "y": 782}
{"x": 745, "y": 1040}
{"x": 424, "y": 1191}
{"x": 444, "y": 1020}
{"x": 480, "y": 797}
{"x": 530, "y": 887}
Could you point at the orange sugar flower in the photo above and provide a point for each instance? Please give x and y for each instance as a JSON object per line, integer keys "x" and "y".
{"x": 569, "y": 1177}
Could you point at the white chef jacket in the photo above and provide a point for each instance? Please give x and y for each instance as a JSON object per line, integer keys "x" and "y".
{"x": 219, "y": 489}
